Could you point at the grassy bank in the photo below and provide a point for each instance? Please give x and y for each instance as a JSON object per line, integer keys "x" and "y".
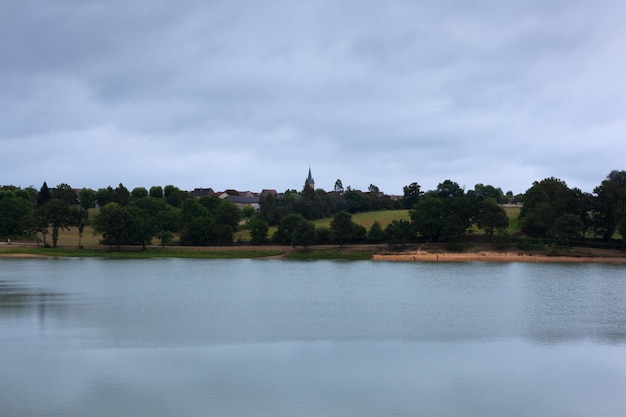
{"x": 137, "y": 253}
{"x": 330, "y": 254}
{"x": 356, "y": 252}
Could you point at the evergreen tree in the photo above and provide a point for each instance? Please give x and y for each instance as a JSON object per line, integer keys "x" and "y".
{"x": 44, "y": 195}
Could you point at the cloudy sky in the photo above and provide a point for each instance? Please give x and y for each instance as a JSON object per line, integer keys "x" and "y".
{"x": 248, "y": 94}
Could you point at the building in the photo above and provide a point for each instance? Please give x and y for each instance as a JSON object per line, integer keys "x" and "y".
{"x": 310, "y": 182}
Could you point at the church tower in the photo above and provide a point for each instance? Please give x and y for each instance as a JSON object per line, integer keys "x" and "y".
{"x": 310, "y": 182}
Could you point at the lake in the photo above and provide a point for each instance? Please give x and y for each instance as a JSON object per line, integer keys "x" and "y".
{"x": 189, "y": 337}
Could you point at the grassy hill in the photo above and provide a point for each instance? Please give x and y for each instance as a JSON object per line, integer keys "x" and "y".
{"x": 384, "y": 217}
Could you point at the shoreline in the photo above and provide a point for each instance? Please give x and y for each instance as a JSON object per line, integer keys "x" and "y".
{"x": 492, "y": 256}
{"x": 378, "y": 253}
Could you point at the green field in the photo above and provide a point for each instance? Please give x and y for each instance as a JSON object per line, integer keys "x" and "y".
{"x": 513, "y": 213}
{"x": 384, "y": 217}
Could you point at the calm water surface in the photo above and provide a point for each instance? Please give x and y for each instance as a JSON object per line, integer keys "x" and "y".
{"x": 91, "y": 337}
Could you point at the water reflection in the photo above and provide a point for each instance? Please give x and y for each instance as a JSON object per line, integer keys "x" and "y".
{"x": 274, "y": 338}
{"x": 360, "y": 378}
{"x": 16, "y": 298}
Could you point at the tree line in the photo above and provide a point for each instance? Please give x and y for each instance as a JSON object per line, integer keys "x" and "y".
{"x": 551, "y": 210}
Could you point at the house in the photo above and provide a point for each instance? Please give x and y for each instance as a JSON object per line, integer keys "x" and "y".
{"x": 203, "y": 192}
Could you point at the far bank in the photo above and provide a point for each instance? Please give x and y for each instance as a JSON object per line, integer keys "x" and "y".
{"x": 408, "y": 253}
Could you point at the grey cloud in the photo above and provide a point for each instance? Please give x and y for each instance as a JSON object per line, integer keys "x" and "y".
{"x": 384, "y": 93}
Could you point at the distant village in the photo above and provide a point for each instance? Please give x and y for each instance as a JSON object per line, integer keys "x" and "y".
{"x": 250, "y": 198}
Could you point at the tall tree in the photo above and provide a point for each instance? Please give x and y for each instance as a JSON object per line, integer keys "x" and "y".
{"x": 544, "y": 203}
{"x": 87, "y": 198}
{"x": 341, "y": 227}
{"x": 110, "y": 222}
{"x": 482, "y": 192}
{"x": 44, "y": 195}
{"x": 156, "y": 191}
{"x": 66, "y": 194}
{"x": 491, "y": 217}
{"x": 121, "y": 195}
{"x": 398, "y": 232}
{"x": 105, "y": 196}
{"x": 412, "y": 195}
{"x": 201, "y": 230}
{"x": 449, "y": 189}
{"x": 610, "y": 204}
{"x": 228, "y": 214}
{"x": 258, "y": 230}
{"x": 138, "y": 193}
{"x": 428, "y": 217}
{"x": 140, "y": 229}
{"x": 376, "y": 233}
{"x": 338, "y": 186}
{"x": 173, "y": 195}
{"x": 78, "y": 218}
{"x": 58, "y": 214}
{"x": 16, "y": 216}
{"x": 286, "y": 228}
{"x": 304, "y": 235}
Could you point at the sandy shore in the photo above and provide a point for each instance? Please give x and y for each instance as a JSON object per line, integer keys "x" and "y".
{"x": 422, "y": 256}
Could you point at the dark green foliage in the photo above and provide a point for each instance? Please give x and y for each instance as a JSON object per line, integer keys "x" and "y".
{"x": 491, "y": 217}
{"x": 57, "y": 215}
{"x": 228, "y": 214}
{"x": 356, "y": 201}
{"x": 247, "y": 211}
{"x": 545, "y": 202}
{"x": 175, "y": 196}
{"x": 200, "y": 225}
{"x": 138, "y": 193}
{"x": 44, "y": 195}
{"x": 156, "y": 191}
{"x": 164, "y": 237}
{"x": 342, "y": 227}
{"x": 78, "y": 218}
{"x": 412, "y": 195}
{"x": 270, "y": 208}
{"x": 428, "y": 217}
{"x": 304, "y": 235}
{"x": 190, "y": 210}
{"x": 258, "y": 230}
{"x": 87, "y": 198}
{"x": 398, "y": 232}
{"x": 66, "y": 194}
{"x": 211, "y": 203}
{"x": 453, "y": 228}
{"x": 317, "y": 204}
{"x": 359, "y": 233}
{"x": 609, "y": 206}
{"x": 121, "y": 195}
{"x": 17, "y": 215}
{"x": 376, "y": 233}
{"x": 484, "y": 192}
{"x": 110, "y": 222}
{"x": 140, "y": 229}
{"x": 286, "y": 228}
{"x": 323, "y": 235}
{"x": 568, "y": 228}
{"x": 104, "y": 196}
{"x": 338, "y": 186}
{"x": 199, "y": 231}
{"x": 449, "y": 189}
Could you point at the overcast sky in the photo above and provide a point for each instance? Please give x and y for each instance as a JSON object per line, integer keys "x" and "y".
{"x": 247, "y": 94}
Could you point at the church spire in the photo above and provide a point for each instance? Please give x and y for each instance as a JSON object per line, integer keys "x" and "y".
{"x": 310, "y": 182}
